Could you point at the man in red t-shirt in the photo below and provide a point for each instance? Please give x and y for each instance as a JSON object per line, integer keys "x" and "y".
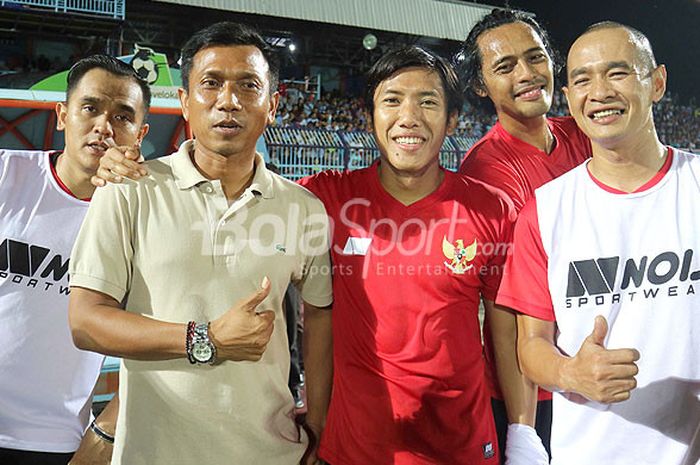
{"x": 507, "y": 64}
{"x": 414, "y": 248}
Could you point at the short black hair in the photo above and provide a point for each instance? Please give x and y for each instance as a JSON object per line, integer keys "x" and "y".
{"x": 641, "y": 41}
{"x": 468, "y": 60}
{"x": 414, "y": 57}
{"x": 111, "y": 65}
{"x": 228, "y": 33}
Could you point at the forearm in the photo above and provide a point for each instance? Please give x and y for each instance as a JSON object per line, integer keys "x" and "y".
{"x": 318, "y": 364}
{"x": 99, "y": 325}
{"x": 519, "y": 393}
{"x": 107, "y": 420}
{"x": 96, "y": 449}
{"x": 541, "y": 361}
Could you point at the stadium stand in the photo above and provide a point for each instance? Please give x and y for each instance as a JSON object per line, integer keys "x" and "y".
{"x": 332, "y": 132}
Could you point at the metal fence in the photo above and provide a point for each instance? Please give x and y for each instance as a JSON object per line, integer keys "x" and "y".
{"x": 302, "y": 152}
{"x": 110, "y": 8}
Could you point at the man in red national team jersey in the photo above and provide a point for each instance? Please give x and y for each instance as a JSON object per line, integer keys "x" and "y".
{"x": 507, "y": 65}
{"x": 414, "y": 248}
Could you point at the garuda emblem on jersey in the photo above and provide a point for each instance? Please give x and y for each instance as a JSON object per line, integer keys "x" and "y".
{"x": 458, "y": 255}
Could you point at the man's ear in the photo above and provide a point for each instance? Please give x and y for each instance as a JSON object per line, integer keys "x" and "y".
{"x": 452, "y": 120}
{"x": 274, "y": 102}
{"x": 369, "y": 119}
{"x": 478, "y": 87}
{"x": 184, "y": 101}
{"x": 565, "y": 90}
{"x": 142, "y": 133}
{"x": 61, "y": 113}
{"x": 659, "y": 78}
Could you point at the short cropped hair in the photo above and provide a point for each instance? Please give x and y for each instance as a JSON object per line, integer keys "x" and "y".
{"x": 228, "y": 33}
{"x": 468, "y": 60}
{"x": 646, "y": 53}
{"x": 414, "y": 57}
{"x": 113, "y": 66}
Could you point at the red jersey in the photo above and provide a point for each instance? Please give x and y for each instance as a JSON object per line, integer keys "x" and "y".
{"x": 517, "y": 168}
{"x": 408, "y": 383}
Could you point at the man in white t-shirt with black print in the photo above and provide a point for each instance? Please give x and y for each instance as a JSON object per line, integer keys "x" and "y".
{"x": 46, "y": 383}
{"x": 606, "y": 271}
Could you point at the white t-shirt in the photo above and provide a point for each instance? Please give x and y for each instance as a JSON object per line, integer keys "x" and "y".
{"x": 581, "y": 250}
{"x": 46, "y": 383}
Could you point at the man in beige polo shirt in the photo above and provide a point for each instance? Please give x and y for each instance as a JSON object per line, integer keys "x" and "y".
{"x": 199, "y": 254}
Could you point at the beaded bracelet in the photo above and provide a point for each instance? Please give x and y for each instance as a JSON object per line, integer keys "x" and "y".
{"x": 188, "y": 341}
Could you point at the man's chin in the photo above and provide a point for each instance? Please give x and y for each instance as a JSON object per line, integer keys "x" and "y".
{"x": 534, "y": 109}
{"x": 407, "y": 167}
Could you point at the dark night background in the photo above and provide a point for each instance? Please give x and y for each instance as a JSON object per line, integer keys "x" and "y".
{"x": 672, "y": 27}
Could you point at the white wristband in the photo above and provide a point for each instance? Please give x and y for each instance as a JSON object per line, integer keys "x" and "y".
{"x": 524, "y": 446}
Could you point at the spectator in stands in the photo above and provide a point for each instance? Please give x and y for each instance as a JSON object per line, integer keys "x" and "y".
{"x": 507, "y": 65}
{"x": 677, "y": 124}
{"x": 47, "y": 384}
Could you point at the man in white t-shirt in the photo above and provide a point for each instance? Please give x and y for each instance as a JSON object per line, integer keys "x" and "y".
{"x": 606, "y": 268}
{"x": 46, "y": 383}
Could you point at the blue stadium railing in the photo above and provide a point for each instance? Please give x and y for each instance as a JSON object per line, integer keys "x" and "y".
{"x": 299, "y": 152}
{"x": 110, "y": 8}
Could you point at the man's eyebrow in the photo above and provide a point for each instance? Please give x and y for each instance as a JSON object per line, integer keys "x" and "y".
{"x": 392, "y": 91}
{"x": 511, "y": 57}
{"x": 607, "y": 67}
{"x": 617, "y": 64}
{"x": 127, "y": 108}
{"x": 429, "y": 93}
{"x": 578, "y": 71}
{"x": 96, "y": 101}
{"x": 91, "y": 100}
{"x": 423, "y": 93}
{"x": 217, "y": 74}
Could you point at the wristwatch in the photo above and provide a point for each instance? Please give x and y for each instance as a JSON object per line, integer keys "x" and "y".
{"x": 201, "y": 350}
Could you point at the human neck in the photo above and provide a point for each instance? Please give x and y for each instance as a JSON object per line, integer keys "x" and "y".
{"x": 235, "y": 171}
{"x": 627, "y": 167}
{"x": 409, "y": 188}
{"x": 534, "y": 131}
{"x": 75, "y": 179}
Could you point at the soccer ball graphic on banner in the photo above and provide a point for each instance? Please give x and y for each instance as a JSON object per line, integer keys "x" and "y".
{"x": 144, "y": 64}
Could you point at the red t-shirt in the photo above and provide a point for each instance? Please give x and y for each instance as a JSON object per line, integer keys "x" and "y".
{"x": 409, "y": 383}
{"x": 517, "y": 168}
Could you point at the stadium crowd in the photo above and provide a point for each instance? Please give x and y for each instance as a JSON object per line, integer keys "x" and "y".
{"x": 678, "y": 123}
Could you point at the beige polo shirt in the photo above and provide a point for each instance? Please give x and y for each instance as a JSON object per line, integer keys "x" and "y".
{"x": 173, "y": 249}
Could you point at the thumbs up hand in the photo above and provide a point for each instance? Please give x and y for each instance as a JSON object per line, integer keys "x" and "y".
{"x": 242, "y": 333}
{"x": 600, "y": 374}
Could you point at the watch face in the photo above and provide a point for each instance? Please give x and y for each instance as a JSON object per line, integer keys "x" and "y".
{"x": 201, "y": 351}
